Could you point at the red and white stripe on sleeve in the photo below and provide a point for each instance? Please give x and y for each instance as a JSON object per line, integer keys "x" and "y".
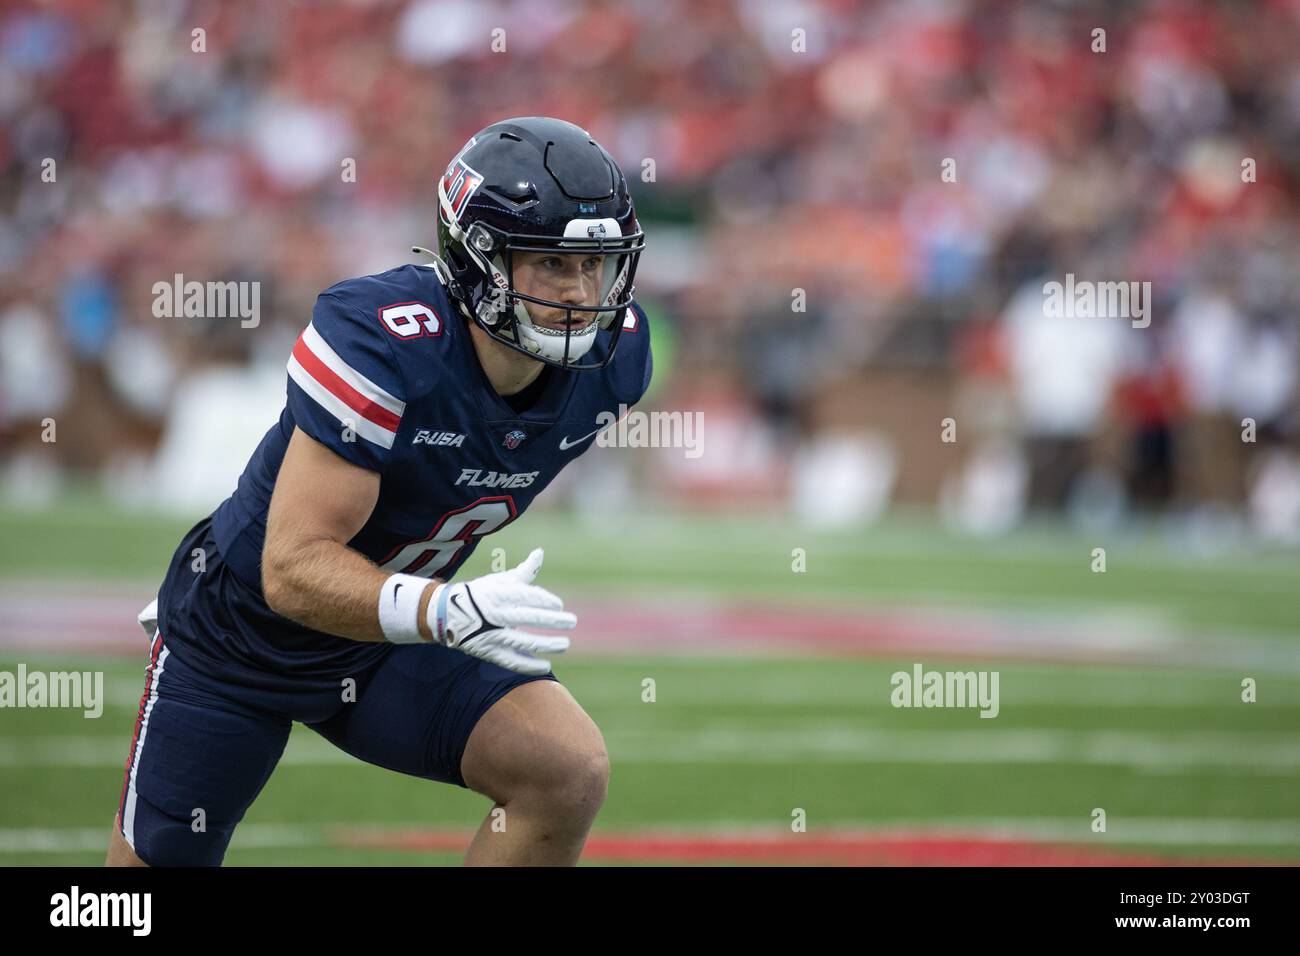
{"x": 343, "y": 391}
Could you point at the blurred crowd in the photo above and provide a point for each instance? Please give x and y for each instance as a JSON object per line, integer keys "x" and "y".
{"x": 852, "y": 209}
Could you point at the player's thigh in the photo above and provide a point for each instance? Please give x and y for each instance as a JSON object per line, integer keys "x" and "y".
{"x": 199, "y": 756}
{"x": 416, "y": 709}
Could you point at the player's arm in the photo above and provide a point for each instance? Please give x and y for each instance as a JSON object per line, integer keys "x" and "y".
{"x": 309, "y": 574}
{"x": 346, "y": 397}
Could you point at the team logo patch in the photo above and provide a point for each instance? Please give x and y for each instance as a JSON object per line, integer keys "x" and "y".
{"x": 459, "y": 183}
{"x": 513, "y": 439}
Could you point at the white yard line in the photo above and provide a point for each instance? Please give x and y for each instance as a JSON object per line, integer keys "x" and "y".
{"x": 77, "y": 839}
{"x": 699, "y": 689}
{"x": 807, "y": 742}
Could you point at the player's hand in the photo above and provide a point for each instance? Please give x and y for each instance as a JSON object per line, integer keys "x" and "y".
{"x": 482, "y": 617}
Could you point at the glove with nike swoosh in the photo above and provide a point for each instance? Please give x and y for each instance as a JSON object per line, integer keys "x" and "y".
{"x": 482, "y": 616}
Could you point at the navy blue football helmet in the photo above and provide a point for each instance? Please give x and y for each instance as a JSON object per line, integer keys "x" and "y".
{"x": 536, "y": 184}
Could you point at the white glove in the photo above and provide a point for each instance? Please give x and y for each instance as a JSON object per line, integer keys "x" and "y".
{"x": 148, "y": 619}
{"x": 480, "y": 617}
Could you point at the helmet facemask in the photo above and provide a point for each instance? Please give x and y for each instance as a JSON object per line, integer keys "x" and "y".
{"x": 498, "y": 307}
{"x": 502, "y": 310}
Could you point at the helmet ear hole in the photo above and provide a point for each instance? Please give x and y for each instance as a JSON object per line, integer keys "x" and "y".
{"x": 480, "y": 239}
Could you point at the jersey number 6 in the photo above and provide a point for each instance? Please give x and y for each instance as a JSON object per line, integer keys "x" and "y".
{"x": 410, "y": 320}
{"x": 454, "y": 532}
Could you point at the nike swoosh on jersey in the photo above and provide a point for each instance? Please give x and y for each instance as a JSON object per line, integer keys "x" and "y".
{"x": 565, "y": 444}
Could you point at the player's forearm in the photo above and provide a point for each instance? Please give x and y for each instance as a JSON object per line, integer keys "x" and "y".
{"x": 330, "y": 587}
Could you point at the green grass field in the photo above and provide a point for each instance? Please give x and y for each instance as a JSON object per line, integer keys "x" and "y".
{"x": 735, "y": 742}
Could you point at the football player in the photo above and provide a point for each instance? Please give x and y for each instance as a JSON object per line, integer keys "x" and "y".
{"x": 426, "y": 407}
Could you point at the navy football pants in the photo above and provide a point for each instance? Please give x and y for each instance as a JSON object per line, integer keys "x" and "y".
{"x": 203, "y": 749}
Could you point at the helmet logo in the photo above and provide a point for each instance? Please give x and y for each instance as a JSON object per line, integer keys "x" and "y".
{"x": 459, "y": 183}
{"x": 513, "y": 439}
{"x": 596, "y": 230}
{"x": 586, "y": 207}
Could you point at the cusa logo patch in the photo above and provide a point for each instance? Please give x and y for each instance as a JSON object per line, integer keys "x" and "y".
{"x": 425, "y": 436}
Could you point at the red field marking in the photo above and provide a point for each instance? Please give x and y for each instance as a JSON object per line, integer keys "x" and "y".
{"x": 844, "y": 848}
{"x": 46, "y": 618}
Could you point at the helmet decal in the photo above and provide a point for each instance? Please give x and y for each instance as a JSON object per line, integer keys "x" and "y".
{"x": 458, "y": 184}
{"x": 592, "y": 229}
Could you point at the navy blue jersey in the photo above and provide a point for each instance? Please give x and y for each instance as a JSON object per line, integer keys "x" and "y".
{"x": 387, "y": 377}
